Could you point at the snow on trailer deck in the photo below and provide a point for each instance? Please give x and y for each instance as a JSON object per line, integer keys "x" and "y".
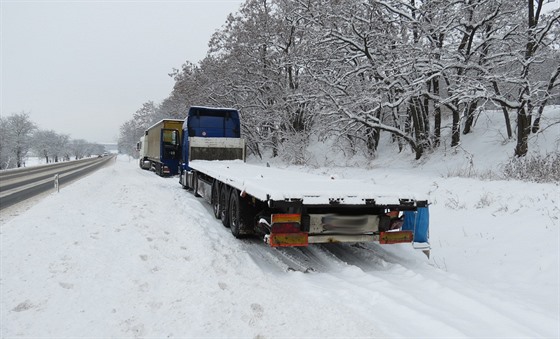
{"x": 268, "y": 183}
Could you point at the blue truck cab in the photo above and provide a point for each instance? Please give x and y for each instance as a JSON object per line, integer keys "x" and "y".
{"x": 210, "y": 134}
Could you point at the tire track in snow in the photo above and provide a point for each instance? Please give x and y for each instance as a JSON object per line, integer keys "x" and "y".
{"x": 406, "y": 286}
{"x": 419, "y": 290}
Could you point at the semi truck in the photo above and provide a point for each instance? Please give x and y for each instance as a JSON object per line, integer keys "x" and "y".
{"x": 160, "y": 147}
{"x": 289, "y": 208}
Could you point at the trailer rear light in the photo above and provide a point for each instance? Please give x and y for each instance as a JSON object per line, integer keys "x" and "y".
{"x": 285, "y": 231}
{"x": 285, "y": 223}
{"x": 395, "y": 237}
{"x": 286, "y": 218}
{"x": 285, "y": 228}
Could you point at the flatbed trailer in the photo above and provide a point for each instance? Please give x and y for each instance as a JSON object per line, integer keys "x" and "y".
{"x": 290, "y": 208}
{"x": 296, "y": 209}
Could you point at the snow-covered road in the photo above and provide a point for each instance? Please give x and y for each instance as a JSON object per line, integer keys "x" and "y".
{"x": 124, "y": 253}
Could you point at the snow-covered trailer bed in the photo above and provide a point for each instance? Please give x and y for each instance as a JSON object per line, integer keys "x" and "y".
{"x": 269, "y": 183}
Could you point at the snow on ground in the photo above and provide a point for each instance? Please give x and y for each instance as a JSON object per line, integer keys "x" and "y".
{"x": 125, "y": 253}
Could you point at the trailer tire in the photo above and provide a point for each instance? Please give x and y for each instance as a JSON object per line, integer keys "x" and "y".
{"x": 224, "y": 205}
{"x": 239, "y": 216}
{"x": 216, "y": 206}
{"x": 234, "y": 215}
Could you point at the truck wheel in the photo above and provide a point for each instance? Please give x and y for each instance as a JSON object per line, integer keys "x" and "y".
{"x": 159, "y": 170}
{"x": 224, "y": 210}
{"x": 195, "y": 185}
{"x": 183, "y": 180}
{"x": 216, "y": 200}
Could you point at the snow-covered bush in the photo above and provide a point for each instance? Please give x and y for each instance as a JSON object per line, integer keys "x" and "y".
{"x": 294, "y": 149}
{"x": 535, "y": 168}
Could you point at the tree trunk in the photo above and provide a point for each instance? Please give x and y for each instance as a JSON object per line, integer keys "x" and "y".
{"x": 397, "y": 124}
{"x": 437, "y": 113}
{"x": 426, "y": 115}
{"x": 18, "y": 158}
{"x": 274, "y": 143}
{"x": 524, "y": 114}
{"x": 552, "y": 81}
{"x": 418, "y": 124}
{"x": 470, "y": 116}
{"x": 456, "y": 129}
{"x": 371, "y": 140}
{"x": 504, "y": 110}
{"x": 523, "y": 130}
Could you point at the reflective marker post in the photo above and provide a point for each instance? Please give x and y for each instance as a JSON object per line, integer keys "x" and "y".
{"x": 56, "y": 183}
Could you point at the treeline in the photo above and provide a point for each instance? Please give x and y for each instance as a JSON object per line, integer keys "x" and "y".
{"x": 20, "y": 136}
{"x": 355, "y": 69}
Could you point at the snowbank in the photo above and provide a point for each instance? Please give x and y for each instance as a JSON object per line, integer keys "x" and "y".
{"x": 124, "y": 253}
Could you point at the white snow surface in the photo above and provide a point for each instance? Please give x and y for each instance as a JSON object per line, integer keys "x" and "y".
{"x": 125, "y": 253}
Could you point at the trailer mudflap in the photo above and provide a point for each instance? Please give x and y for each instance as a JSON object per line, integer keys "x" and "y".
{"x": 396, "y": 237}
{"x": 287, "y": 239}
{"x": 285, "y": 231}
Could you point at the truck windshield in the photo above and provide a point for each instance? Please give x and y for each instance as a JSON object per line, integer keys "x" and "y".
{"x": 212, "y": 123}
{"x": 170, "y": 137}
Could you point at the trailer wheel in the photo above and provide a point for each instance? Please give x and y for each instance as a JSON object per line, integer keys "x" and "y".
{"x": 224, "y": 205}
{"x": 216, "y": 206}
{"x": 239, "y": 216}
{"x": 234, "y": 214}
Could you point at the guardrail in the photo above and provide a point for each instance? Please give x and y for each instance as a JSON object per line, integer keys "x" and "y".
{"x": 20, "y": 184}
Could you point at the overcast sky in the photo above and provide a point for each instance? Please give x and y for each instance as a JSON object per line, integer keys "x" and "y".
{"x": 84, "y": 67}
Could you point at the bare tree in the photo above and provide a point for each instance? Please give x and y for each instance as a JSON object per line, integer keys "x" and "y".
{"x": 60, "y": 148}
{"x": 44, "y": 144}
{"x": 130, "y": 133}
{"x": 78, "y": 148}
{"x": 5, "y": 145}
{"x": 16, "y": 138}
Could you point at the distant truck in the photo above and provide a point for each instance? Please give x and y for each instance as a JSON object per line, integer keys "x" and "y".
{"x": 160, "y": 147}
{"x": 289, "y": 208}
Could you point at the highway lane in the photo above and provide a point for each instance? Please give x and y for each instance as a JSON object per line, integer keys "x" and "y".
{"x": 17, "y": 185}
